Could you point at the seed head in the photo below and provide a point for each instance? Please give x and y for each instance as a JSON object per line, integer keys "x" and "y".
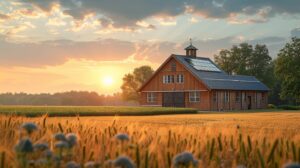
{"x": 24, "y": 146}
{"x": 71, "y": 139}
{"x": 185, "y": 159}
{"x": 122, "y": 137}
{"x": 123, "y": 162}
{"x": 29, "y": 127}
{"x": 61, "y": 144}
{"x": 292, "y": 165}
{"x": 60, "y": 137}
{"x": 72, "y": 164}
{"x": 41, "y": 146}
{"x": 92, "y": 164}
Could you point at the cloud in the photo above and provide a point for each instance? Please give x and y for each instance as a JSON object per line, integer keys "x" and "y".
{"x": 4, "y": 16}
{"x": 50, "y": 53}
{"x": 59, "y": 51}
{"x": 127, "y": 13}
{"x": 295, "y": 32}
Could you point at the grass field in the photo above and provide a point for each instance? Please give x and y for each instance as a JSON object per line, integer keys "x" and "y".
{"x": 261, "y": 139}
{"x": 33, "y": 111}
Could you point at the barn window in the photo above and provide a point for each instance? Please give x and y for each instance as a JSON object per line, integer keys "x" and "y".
{"x": 173, "y": 66}
{"x": 226, "y": 96}
{"x": 194, "y": 96}
{"x": 179, "y": 78}
{"x": 151, "y": 97}
{"x": 237, "y": 96}
{"x": 168, "y": 79}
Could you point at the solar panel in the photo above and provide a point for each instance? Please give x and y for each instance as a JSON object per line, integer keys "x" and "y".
{"x": 203, "y": 65}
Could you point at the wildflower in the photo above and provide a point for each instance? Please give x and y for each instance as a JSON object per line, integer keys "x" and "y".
{"x": 185, "y": 159}
{"x": 61, "y": 144}
{"x": 71, "y": 139}
{"x": 72, "y": 164}
{"x": 40, "y": 146}
{"x": 24, "y": 146}
{"x": 123, "y": 162}
{"x": 122, "y": 137}
{"x": 292, "y": 165}
{"x": 60, "y": 137}
{"x": 29, "y": 127}
{"x": 92, "y": 164}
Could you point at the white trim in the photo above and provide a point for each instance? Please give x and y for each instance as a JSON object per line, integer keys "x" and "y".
{"x": 193, "y": 96}
{"x": 151, "y": 97}
{"x": 177, "y": 91}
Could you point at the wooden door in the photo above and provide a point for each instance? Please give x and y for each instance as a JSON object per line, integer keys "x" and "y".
{"x": 173, "y": 99}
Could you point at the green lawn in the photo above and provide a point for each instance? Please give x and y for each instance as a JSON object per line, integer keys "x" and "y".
{"x": 33, "y": 111}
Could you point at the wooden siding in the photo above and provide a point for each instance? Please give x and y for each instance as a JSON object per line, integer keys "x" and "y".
{"x": 193, "y": 84}
{"x": 190, "y": 82}
{"x": 220, "y": 104}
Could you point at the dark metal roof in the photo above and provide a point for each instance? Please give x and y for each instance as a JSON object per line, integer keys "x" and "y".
{"x": 191, "y": 47}
{"x": 221, "y": 80}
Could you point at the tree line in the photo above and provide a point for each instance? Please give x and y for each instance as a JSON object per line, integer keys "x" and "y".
{"x": 281, "y": 75}
{"x": 71, "y": 98}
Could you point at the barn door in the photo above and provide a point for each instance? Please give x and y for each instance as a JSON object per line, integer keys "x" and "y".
{"x": 173, "y": 99}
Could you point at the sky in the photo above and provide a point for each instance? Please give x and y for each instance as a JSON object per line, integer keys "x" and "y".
{"x": 49, "y": 46}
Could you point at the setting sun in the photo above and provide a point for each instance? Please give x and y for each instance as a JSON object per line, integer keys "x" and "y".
{"x": 107, "y": 80}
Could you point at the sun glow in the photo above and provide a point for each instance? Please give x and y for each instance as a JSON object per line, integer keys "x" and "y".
{"x": 107, "y": 80}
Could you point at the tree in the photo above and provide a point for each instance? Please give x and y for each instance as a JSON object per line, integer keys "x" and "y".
{"x": 132, "y": 82}
{"x": 287, "y": 70}
{"x": 246, "y": 60}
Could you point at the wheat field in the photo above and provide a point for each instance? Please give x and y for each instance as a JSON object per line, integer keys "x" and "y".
{"x": 263, "y": 139}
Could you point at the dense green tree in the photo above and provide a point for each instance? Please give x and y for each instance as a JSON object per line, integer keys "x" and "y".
{"x": 224, "y": 60}
{"x": 133, "y": 81}
{"x": 287, "y": 70}
{"x": 246, "y": 60}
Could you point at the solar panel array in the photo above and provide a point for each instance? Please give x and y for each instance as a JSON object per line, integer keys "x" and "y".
{"x": 203, "y": 65}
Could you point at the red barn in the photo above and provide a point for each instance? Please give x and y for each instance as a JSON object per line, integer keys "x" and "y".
{"x": 197, "y": 82}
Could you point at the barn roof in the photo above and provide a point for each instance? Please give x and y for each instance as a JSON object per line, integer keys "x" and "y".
{"x": 191, "y": 47}
{"x": 220, "y": 79}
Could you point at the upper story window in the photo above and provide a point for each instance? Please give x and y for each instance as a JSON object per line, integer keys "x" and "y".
{"x": 226, "y": 96}
{"x": 151, "y": 97}
{"x": 194, "y": 96}
{"x": 173, "y": 66}
{"x": 180, "y": 78}
{"x": 237, "y": 96}
{"x": 168, "y": 79}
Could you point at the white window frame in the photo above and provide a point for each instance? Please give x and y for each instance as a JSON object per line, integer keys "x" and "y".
{"x": 168, "y": 79}
{"x": 180, "y": 78}
{"x": 151, "y": 97}
{"x": 194, "y": 97}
